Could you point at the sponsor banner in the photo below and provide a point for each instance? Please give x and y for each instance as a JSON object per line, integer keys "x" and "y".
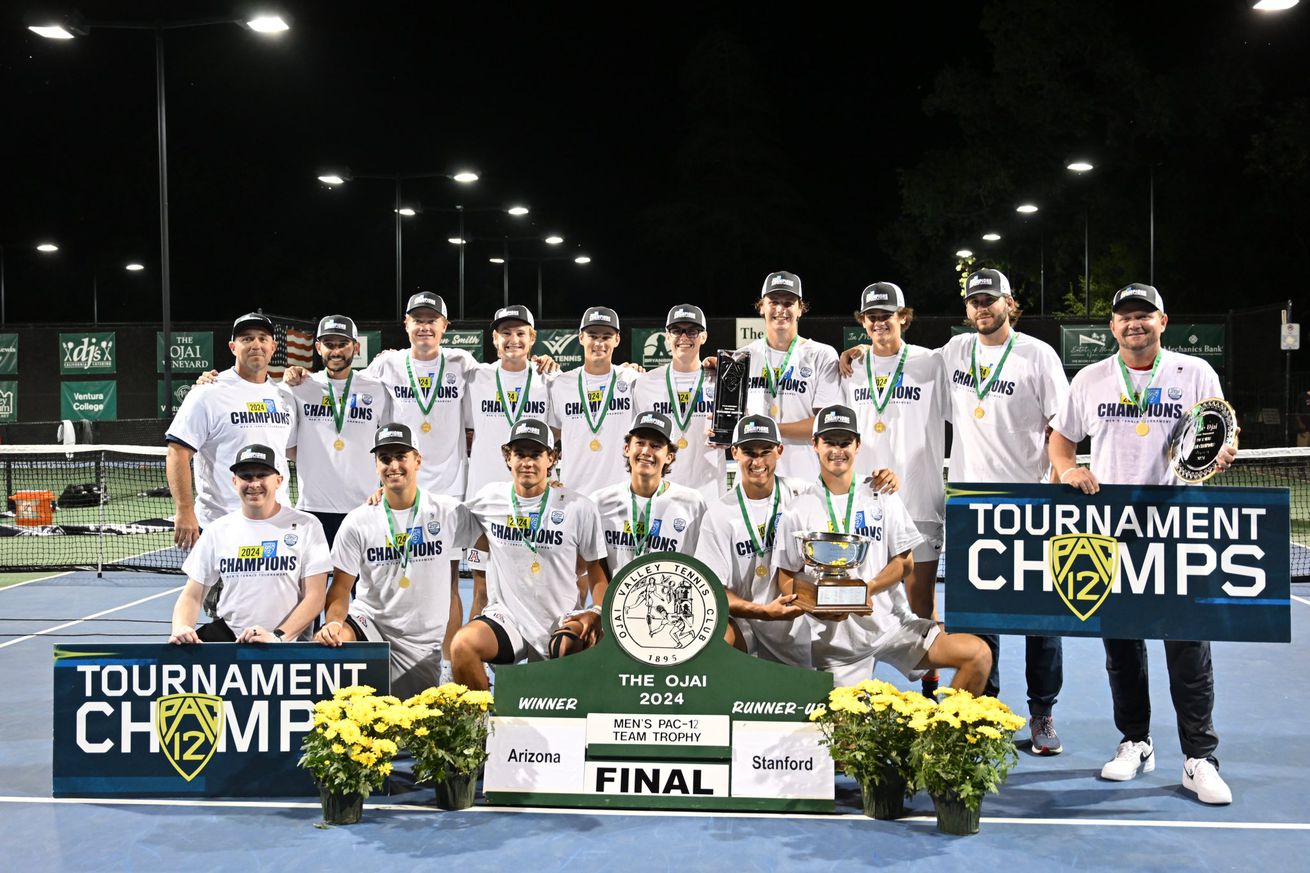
{"x": 182, "y": 386}
{"x": 853, "y": 335}
{"x": 561, "y": 344}
{"x": 81, "y": 353}
{"x": 209, "y": 720}
{"x": 748, "y": 331}
{"x": 90, "y": 401}
{"x": 957, "y": 329}
{"x": 776, "y": 759}
{"x": 1207, "y": 341}
{"x": 192, "y": 352}
{"x": 468, "y": 340}
{"x": 8, "y": 402}
{"x": 650, "y": 347}
{"x": 370, "y": 343}
{"x": 1131, "y": 562}
{"x": 8, "y": 354}
{"x": 1081, "y": 345}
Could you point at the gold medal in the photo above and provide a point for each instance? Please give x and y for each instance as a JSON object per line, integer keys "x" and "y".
{"x": 426, "y": 427}
{"x": 879, "y": 427}
{"x": 404, "y": 582}
{"x": 682, "y": 442}
{"x": 595, "y": 445}
{"x": 773, "y": 411}
{"x": 760, "y": 571}
{"x": 1143, "y": 428}
{"x": 978, "y": 413}
{"x": 339, "y": 445}
{"x": 536, "y": 567}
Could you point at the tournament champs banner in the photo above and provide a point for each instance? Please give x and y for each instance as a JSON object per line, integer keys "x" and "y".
{"x": 1131, "y": 562}
{"x": 207, "y": 720}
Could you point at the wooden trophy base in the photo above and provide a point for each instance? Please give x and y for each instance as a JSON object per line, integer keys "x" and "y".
{"x": 831, "y": 594}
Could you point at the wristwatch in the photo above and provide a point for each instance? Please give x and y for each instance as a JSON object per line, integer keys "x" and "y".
{"x": 279, "y": 633}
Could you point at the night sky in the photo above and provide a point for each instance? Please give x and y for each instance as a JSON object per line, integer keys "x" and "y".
{"x": 687, "y": 151}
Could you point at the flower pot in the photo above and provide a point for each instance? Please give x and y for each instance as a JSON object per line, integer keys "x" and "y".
{"x": 340, "y": 808}
{"x": 954, "y": 815}
{"x": 456, "y": 791}
{"x": 885, "y": 800}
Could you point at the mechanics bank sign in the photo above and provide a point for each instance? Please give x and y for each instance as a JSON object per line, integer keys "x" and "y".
{"x": 1132, "y": 562}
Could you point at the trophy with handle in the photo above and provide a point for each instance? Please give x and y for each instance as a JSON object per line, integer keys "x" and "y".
{"x": 828, "y": 582}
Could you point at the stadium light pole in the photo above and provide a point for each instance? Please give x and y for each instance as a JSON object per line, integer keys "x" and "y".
{"x": 462, "y": 240}
{"x": 505, "y": 259}
{"x": 45, "y": 247}
{"x": 1082, "y": 167}
{"x": 266, "y": 25}
{"x": 1028, "y": 209}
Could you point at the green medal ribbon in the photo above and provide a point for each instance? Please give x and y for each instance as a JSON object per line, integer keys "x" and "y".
{"x": 750, "y": 525}
{"x": 523, "y": 399}
{"x": 339, "y": 415}
{"x": 541, "y": 515}
{"x": 773, "y": 380}
{"x": 641, "y": 524}
{"x": 432, "y": 389}
{"x": 681, "y": 417}
{"x": 880, "y": 403}
{"x": 605, "y": 402}
{"x": 979, "y": 388}
{"x": 832, "y": 516}
{"x": 1138, "y": 400}
{"x": 391, "y": 526}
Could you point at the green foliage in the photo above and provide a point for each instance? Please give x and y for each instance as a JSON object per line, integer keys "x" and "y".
{"x": 867, "y": 729}
{"x": 448, "y": 733}
{"x": 964, "y": 746}
{"x": 355, "y": 736}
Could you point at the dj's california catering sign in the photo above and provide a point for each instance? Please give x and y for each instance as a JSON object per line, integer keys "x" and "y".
{"x": 208, "y": 720}
{"x": 1131, "y": 562}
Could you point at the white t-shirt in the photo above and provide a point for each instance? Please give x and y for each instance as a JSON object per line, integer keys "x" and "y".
{"x": 262, "y": 562}
{"x": 675, "y": 515}
{"x": 697, "y": 465}
{"x": 436, "y": 534}
{"x": 1099, "y": 407}
{"x": 218, "y": 420}
{"x": 880, "y": 516}
{"x": 581, "y": 468}
{"x": 331, "y": 479}
{"x": 726, "y": 547}
{"x": 913, "y": 439}
{"x": 485, "y": 415}
{"x": 568, "y": 529}
{"x": 1008, "y": 444}
{"x": 808, "y": 384}
{"x": 445, "y": 459}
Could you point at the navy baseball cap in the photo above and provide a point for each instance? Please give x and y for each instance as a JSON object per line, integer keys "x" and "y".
{"x": 781, "y": 281}
{"x": 532, "y": 430}
{"x": 393, "y": 435}
{"x": 990, "y": 282}
{"x": 885, "y": 296}
{"x": 756, "y": 429}
{"x": 257, "y": 455}
{"x": 337, "y": 325}
{"x": 1137, "y": 291}
{"x": 252, "y": 321}
{"x": 426, "y": 300}
{"x": 835, "y": 418}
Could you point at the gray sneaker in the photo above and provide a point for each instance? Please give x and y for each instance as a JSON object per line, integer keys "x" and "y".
{"x": 1045, "y": 740}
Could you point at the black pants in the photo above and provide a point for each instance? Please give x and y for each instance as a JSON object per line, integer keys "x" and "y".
{"x": 1044, "y": 670}
{"x": 1191, "y": 685}
{"x": 216, "y": 631}
{"x": 331, "y": 522}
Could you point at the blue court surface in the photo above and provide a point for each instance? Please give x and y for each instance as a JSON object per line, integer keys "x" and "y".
{"x": 1053, "y": 814}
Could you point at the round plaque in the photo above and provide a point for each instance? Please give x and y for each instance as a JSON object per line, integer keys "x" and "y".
{"x": 1198, "y": 438}
{"x": 662, "y": 611}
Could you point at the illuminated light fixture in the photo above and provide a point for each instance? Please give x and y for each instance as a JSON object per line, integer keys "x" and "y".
{"x": 268, "y": 24}
{"x": 1266, "y": 5}
{"x": 582, "y": 259}
{"x": 496, "y": 260}
{"x": 992, "y": 237}
{"x": 465, "y": 177}
{"x": 517, "y": 210}
{"x": 456, "y": 241}
{"x": 964, "y": 253}
{"x": 52, "y": 31}
{"x": 554, "y": 240}
{"x": 331, "y": 179}
{"x": 134, "y": 268}
{"x": 1026, "y": 208}
{"x": 47, "y": 247}
{"x": 1080, "y": 166}
{"x": 407, "y": 211}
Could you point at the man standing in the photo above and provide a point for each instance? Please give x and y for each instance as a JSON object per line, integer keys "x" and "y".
{"x": 591, "y": 407}
{"x": 404, "y": 553}
{"x": 273, "y": 560}
{"x": 848, "y": 648}
{"x": 648, "y": 513}
{"x": 682, "y": 391}
{"x": 338, "y": 414}
{"x": 1005, "y": 387}
{"x": 1120, "y": 403}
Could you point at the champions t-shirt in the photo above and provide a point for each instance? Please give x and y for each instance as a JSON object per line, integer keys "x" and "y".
{"x": 568, "y": 529}
{"x": 696, "y": 465}
{"x": 1008, "y": 443}
{"x": 218, "y": 420}
{"x": 673, "y": 526}
{"x": 262, "y": 562}
{"x": 434, "y": 534}
{"x": 1099, "y": 407}
{"x": 880, "y": 516}
{"x": 581, "y": 468}
{"x": 808, "y": 384}
{"x": 331, "y": 479}
{"x": 913, "y": 439}
{"x": 443, "y": 447}
{"x": 485, "y": 415}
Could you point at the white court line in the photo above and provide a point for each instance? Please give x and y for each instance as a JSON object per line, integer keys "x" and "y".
{"x": 1301, "y": 600}
{"x": 428, "y": 808}
{"x": 89, "y": 617}
{"x": 30, "y": 581}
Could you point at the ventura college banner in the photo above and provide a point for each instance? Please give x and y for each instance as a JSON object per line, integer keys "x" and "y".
{"x": 1131, "y": 562}
{"x": 208, "y": 720}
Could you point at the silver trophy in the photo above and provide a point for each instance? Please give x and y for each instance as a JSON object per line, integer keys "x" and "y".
{"x": 830, "y": 581}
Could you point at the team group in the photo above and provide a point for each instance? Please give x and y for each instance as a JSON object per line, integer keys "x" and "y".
{"x": 550, "y": 482}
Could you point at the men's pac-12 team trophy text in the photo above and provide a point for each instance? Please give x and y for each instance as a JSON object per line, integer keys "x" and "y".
{"x": 730, "y": 384}
{"x": 827, "y": 583}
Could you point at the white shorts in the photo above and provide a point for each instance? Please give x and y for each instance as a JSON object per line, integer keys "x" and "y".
{"x": 903, "y": 647}
{"x": 928, "y": 551}
{"x": 414, "y": 666}
{"x": 514, "y": 640}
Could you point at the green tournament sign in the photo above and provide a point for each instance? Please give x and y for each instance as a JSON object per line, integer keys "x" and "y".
{"x": 1081, "y": 344}
{"x": 8, "y": 402}
{"x": 90, "y": 401}
{"x": 81, "y": 353}
{"x": 192, "y": 352}
{"x": 662, "y": 713}
{"x": 468, "y": 340}
{"x": 8, "y": 353}
{"x": 181, "y": 388}
{"x": 650, "y": 347}
{"x": 560, "y": 344}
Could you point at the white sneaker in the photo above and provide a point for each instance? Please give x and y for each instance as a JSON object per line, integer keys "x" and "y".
{"x": 1128, "y": 759}
{"x": 1202, "y": 777}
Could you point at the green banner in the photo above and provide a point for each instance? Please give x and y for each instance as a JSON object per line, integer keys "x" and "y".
{"x": 1206, "y": 341}
{"x": 191, "y": 352}
{"x": 81, "y": 353}
{"x": 650, "y": 347}
{"x": 1081, "y": 345}
{"x": 181, "y": 388}
{"x": 370, "y": 343}
{"x": 89, "y": 401}
{"x": 853, "y": 335}
{"x": 468, "y": 340}
{"x": 957, "y": 329}
{"x": 560, "y": 344}
{"x": 8, "y": 353}
{"x": 8, "y": 402}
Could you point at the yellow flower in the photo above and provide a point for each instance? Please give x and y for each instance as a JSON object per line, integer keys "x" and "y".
{"x": 989, "y": 731}
{"x": 421, "y": 732}
{"x": 818, "y": 713}
{"x": 337, "y": 748}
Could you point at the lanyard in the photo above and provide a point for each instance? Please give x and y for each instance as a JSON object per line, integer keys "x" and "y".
{"x": 432, "y": 387}
{"x": 880, "y": 402}
{"x": 541, "y": 515}
{"x": 391, "y": 526}
{"x": 772, "y": 380}
{"x": 339, "y": 414}
{"x": 681, "y": 417}
{"x": 979, "y": 388}
{"x": 1138, "y": 400}
{"x": 523, "y": 399}
{"x": 605, "y": 402}
{"x": 832, "y": 516}
{"x": 641, "y": 524}
{"x": 750, "y": 525}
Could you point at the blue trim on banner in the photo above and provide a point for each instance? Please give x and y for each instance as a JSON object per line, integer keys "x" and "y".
{"x": 1233, "y": 601}
{"x": 121, "y": 786}
{"x": 1027, "y": 623}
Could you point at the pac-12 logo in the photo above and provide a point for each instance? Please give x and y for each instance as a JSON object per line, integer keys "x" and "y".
{"x": 1083, "y": 568}
{"x": 662, "y": 611}
{"x": 188, "y": 727}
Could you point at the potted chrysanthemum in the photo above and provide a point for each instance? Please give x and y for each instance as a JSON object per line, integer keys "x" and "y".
{"x": 350, "y": 748}
{"x": 447, "y": 736}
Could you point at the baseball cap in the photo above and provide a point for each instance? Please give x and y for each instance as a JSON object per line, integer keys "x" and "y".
{"x": 990, "y": 282}
{"x": 1137, "y": 291}
{"x": 393, "y": 435}
{"x": 426, "y": 300}
{"x": 257, "y": 454}
{"x": 685, "y": 313}
{"x": 599, "y": 316}
{"x": 886, "y": 296}
{"x": 533, "y": 430}
{"x": 653, "y": 421}
{"x": 756, "y": 429}
{"x": 513, "y": 313}
{"x": 252, "y": 320}
{"x": 781, "y": 281}
{"x": 832, "y": 419}
{"x": 337, "y": 325}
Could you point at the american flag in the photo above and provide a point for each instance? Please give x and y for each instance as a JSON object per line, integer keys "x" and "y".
{"x": 295, "y": 347}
